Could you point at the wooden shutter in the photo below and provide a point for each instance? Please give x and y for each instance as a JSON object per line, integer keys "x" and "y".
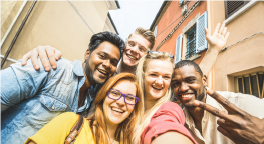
{"x": 240, "y": 85}
{"x": 178, "y": 49}
{"x": 246, "y": 85}
{"x": 254, "y": 85}
{"x": 156, "y": 30}
{"x": 201, "y": 23}
{"x": 261, "y": 84}
{"x": 233, "y": 6}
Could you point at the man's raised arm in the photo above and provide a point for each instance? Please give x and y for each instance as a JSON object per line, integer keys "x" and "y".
{"x": 217, "y": 42}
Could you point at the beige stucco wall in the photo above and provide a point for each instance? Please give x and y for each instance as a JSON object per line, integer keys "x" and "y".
{"x": 245, "y": 57}
{"x": 56, "y": 23}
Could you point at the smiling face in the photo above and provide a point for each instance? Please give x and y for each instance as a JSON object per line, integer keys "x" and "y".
{"x": 136, "y": 47}
{"x": 188, "y": 85}
{"x": 101, "y": 63}
{"x": 157, "y": 78}
{"x": 116, "y": 111}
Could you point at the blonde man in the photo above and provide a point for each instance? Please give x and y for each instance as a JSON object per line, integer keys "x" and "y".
{"x": 137, "y": 45}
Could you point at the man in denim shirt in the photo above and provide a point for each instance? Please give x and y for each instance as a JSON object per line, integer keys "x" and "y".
{"x": 30, "y": 98}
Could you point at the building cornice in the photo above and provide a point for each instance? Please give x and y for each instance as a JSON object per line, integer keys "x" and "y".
{"x": 161, "y": 12}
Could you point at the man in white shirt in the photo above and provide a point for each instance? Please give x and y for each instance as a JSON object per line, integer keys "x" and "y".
{"x": 189, "y": 85}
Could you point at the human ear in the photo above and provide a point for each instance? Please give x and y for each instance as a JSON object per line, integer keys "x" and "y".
{"x": 204, "y": 79}
{"x": 86, "y": 54}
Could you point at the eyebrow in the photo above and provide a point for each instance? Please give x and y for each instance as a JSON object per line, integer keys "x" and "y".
{"x": 189, "y": 77}
{"x": 147, "y": 48}
{"x": 158, "y": 72}
{"x": 109, "y": 55}
{"x": 122, "y": 93}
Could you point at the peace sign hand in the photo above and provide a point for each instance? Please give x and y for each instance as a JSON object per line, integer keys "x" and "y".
{"x": 237, "y": 125}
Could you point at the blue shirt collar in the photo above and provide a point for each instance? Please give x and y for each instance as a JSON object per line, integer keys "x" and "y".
{"x": 77, "y": 68}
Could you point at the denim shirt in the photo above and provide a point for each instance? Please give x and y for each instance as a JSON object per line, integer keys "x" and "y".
{"x": 36, "y": 97}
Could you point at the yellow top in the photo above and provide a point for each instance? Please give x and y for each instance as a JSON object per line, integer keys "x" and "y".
{"x": 59, "y": 128}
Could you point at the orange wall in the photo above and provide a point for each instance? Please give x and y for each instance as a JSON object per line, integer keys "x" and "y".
{"x": 174, "y": 12}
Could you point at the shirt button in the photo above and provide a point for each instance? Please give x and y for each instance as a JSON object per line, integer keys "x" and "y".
{"x": 53, "y": 108}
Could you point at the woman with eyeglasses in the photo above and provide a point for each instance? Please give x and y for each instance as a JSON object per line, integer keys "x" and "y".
{"x": 117, "y": 106}
{"x": 154, "y": 73}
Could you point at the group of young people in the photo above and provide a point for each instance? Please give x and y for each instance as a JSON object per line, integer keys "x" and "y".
{"x": 124, "y": 91}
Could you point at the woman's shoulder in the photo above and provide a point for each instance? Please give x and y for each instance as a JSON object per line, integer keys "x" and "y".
{"x": 68, "y": 116}
{"x": 169, "y": 110}
{"x": 170, "y": 106}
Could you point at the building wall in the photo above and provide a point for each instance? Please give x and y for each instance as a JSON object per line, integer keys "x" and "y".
{"x": 242, "y": 58}
{"x": 174, "y": 12}
{"x": 56, "y": 23}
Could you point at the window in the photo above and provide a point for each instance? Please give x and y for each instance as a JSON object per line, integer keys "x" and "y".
{"x": 233, "y": 6}
{"x": 194, "y": 40}
{"x": 191, "y": 43}
{"x": 251, "y": 84}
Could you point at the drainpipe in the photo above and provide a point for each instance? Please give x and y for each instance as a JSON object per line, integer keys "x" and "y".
{"x": 17, "y": 34}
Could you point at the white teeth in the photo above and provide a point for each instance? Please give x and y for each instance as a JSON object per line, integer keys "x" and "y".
{"x": 157, "y": 88}
{"x": 132, "y": 57}
{"x": 117, "y": 110}
{"x": 103, "y": 72}
{"x": 187, "y": 95}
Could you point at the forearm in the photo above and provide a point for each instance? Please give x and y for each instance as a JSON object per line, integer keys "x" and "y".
{"x": 209, "y": 60}
{"x": 20, "y": 82}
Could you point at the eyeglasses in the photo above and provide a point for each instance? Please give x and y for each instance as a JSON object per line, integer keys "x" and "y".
{"x": 128, "y": 99}
{"x": 133, "y": 44}
{"x": 158, "y": 52}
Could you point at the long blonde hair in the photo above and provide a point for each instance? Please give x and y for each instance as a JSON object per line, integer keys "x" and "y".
{"x": 125, "y": 129}
{"x": 145, "y": 118}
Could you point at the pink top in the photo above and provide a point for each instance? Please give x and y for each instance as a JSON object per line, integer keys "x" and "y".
{"x": 169, "y": 117}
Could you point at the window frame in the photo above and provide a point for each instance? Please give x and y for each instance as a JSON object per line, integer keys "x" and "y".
{"x": 192, "y": 29}
{"x": 261, "y": 94}
{"x": 238, "y": 8}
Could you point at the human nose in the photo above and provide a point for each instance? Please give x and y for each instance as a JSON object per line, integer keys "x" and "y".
{"x": 106, "y": 63}
{"x": 135, "y": 49}
{"x": 183, "y": 87}
{"x": 121, "y": 101}
{"x": 159, "y": 81}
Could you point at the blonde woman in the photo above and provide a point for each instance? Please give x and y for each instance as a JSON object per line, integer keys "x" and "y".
{"x": 161, "y": 120}
{"x": 154, "y": 74}
{"x": 117, "y": 106}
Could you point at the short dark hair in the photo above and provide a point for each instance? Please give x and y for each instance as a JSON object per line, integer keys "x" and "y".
{"x": 114, "y": 39}
{"x": 188, "y": 62}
